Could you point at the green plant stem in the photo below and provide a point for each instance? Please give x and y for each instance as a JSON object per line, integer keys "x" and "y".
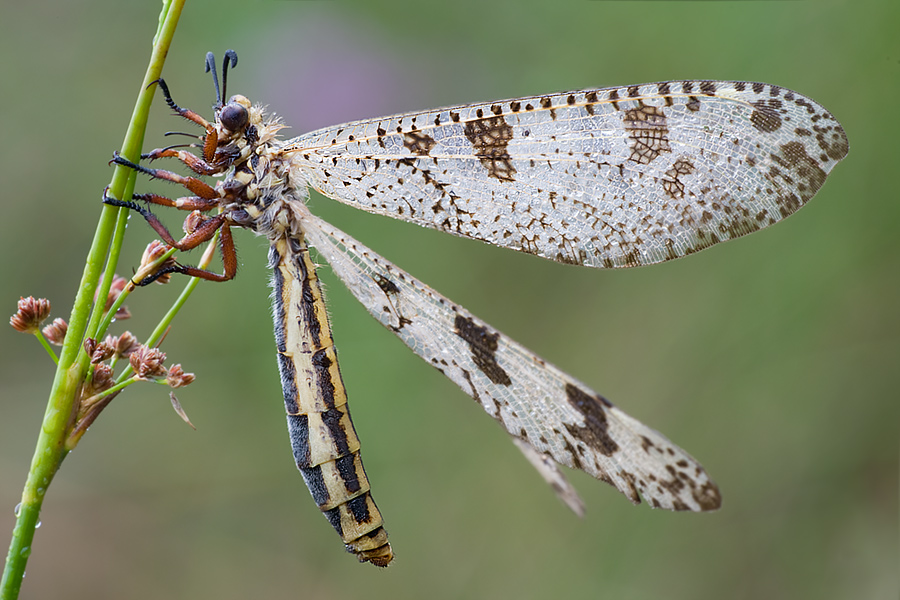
{"x": 117, "y": 304}
{"x": 73, "y": 362}
{"x": 189, "y": 287}
{"x": 40, "y": 337}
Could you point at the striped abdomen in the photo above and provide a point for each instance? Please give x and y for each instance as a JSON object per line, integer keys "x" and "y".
{"x": 324, "y": 442}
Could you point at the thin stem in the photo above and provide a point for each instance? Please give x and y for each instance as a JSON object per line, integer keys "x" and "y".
{"x": 189, "y": 287}
{"x": 73, "y": 363}
{"x": 117, "y": 304}
{"x": 40, "y": 337}
{"x": 87, "y": 403}
{"x": 97, "y": 327}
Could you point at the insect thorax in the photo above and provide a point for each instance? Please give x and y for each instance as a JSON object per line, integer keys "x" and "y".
{"x": 263, "y": 190}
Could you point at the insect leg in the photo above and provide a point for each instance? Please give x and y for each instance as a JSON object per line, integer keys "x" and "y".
{"x": 188, "y": 242}
{"x": 184, "y": 112}
{"x": 185, "y": 203}
{"x": 207, "y": 198}
{"x": 193, "y": 162}
{"x": 198, "y": 187}
{"x": 229, "y": 262}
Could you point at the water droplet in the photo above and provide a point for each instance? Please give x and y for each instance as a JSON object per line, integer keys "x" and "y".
{"x": 25, "y": 552}
{"x": 41, "y": 491}
{"x": 38, "y": 524}
{"x": 17, "y": 509}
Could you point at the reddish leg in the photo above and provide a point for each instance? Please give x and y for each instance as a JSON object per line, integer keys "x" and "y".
{"x": 229, "y": 262}
{"x": 203, "y": 233}
{"x": 193, "y": 162}
{"x": 186, "y": 203}
{"x": 207, "y": 199}
{"x": 211, "y": 141}
{"x": 199, "y": 187}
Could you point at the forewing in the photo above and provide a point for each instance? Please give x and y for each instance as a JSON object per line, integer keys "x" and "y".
{"x": 537, "y": 403}
{"x": 605, "y": 178}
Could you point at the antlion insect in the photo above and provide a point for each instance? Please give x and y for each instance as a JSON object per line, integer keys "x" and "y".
{"x": 613, "y": 177}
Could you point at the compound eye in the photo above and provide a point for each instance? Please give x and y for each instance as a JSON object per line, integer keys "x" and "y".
{"x": 234, "y": 116}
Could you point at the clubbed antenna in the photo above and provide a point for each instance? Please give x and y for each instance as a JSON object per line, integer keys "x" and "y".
{"x": 211, "y": 66}
{"x": 230, "y": 57}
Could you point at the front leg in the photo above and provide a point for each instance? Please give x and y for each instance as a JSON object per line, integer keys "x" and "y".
{"x": 211, "y": 140}
{"x": 207, "y": 198}
{"x": 198, "y": 187}
{"x": 220, "y": 161}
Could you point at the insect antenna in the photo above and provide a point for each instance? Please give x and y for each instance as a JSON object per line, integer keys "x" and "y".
{"x": 154, "y": 154}
{"x": 211, "y": 66}
{"x": 230, "y": 57}
{"x": 193, "y": 135}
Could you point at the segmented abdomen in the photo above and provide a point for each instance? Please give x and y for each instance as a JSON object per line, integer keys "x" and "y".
{"x": 324, "y": 442}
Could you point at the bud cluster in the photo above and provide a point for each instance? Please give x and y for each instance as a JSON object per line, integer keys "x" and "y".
{"x": 100, "y": 386}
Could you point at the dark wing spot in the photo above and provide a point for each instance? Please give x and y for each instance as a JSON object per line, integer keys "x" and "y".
{"x": 646, "y": 126}
{"x": 832, "y": 140}
{"x": 766, "y": 118}
{"x": 594, "y": 433}
{"x": 418, "y": 142}
{"x": 613, "y": 96}
{"x": 489, "y": 138}
{"x": 707, "y": 496}
{"x": 708, "y": 88}
{"x": 387, "y": 286}
{"x": 798, "y": 180}
{"x": 672, "y": 185}
{"x": 483, "y": 345}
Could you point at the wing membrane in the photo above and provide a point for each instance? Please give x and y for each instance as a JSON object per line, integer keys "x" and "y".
{"x": 547, "y": 410}
{"x": 604, "y": 178}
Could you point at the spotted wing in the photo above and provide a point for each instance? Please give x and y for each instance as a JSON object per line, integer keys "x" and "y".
{"x": 557, "y": 416}
{"x": 604, "y": 178}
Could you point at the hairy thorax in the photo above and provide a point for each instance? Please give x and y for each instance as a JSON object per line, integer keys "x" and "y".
{"x": 265, "y": 190}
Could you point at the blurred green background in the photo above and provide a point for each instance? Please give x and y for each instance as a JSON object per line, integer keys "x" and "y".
{"x": 772, "y": 359}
